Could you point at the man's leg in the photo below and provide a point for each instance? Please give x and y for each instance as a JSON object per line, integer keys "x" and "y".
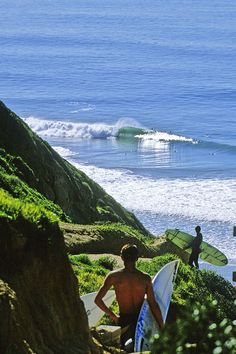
{"x": 196, "y": 261}
{"x": 191, "y": 259}
{"x": 128, "y": 326}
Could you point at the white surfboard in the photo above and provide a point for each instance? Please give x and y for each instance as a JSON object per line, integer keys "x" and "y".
{"x": 94, "y": 313}
{"x": 163, "y": 287}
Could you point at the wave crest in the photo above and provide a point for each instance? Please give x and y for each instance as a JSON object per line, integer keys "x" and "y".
{"x": 62, "y": 129}
{"x": 125, "y": 128}
{"x": 163, "y": 136}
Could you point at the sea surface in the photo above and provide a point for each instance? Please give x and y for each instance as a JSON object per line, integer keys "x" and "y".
{"x": 141, "y": 95}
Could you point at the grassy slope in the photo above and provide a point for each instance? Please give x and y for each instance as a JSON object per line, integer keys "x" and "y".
{"x": 104, "y": 238}
{"x": 12, "y": 169}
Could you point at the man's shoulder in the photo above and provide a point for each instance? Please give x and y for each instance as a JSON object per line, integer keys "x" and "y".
{"x": 115, "y": 272}
{"x": 120, "y": 271}
{"x": 145, "y": 276}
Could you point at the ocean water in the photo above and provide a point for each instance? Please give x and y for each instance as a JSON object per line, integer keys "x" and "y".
{"x": 141, "y": 95}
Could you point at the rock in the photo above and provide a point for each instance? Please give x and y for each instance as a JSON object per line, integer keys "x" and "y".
{"x": 40, "y": 308}
{"x": 110, "y": 335}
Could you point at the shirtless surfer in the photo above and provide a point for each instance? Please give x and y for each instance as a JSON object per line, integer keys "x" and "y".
{"x": 130, "y": 286}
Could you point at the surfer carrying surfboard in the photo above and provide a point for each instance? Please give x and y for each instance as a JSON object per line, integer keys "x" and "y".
{"x": 131, "y": 286}
{"x": 196, "y": 248}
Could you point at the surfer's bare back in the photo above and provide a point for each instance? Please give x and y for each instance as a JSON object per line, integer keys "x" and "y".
{"x": 131, "y": 286}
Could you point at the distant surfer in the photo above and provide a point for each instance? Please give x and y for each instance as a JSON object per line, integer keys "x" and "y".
{"x": 196, "y": 248}
{"x": 131, "y": 286}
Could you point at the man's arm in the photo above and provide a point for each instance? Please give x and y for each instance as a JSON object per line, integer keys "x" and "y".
{"x": 154, "y": 305}
{"x": 100, "y": 295}
{"x": 191, "y": 243}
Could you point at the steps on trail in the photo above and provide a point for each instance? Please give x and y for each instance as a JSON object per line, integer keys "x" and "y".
{"x": 110, "y": 335}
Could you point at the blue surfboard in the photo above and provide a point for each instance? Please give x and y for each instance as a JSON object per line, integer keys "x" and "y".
{"x": 147, "y": 327}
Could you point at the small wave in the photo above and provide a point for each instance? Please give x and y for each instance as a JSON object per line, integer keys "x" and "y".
{"x": 64, "y": 152}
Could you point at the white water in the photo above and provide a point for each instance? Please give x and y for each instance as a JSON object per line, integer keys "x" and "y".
{"x": 162, "y": 136}
{"x": 64, "y": 129}
{"x": 198, "y": 197}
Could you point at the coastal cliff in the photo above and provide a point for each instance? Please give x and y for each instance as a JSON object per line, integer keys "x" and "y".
{"x": 83, "y": 200}
{"x": 40, "y": 307}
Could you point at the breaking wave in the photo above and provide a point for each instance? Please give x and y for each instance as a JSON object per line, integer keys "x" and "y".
{"x": 122, "y": 129}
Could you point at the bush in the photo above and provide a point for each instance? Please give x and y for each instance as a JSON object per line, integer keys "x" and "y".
{"x": 198, "y": 331}
{"x": 20, "y": 190}
{"x": 155, "y": 264}
{"x": 82, "y": 258}
{"x": 219, "y": 289}
{"x": 89, "y": 281}
{"x": 193, "y": 286}
{"x": 89, "y": 273}
{"x": 107, "y": 262}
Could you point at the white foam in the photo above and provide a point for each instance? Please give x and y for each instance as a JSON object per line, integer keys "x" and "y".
{"x": 163, "y": 136}
{"x": 204, "y": 199}
{"x": 64, "y": 152}
{"x": 64, "y": 129}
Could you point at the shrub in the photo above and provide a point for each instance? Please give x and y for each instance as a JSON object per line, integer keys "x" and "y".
{"x": 116, "y": 228}
{"x": 89, "y": 281}
{"x": 193, "y": 286}
{"x": 219, "y": 289}
{"x": 89, "y": 273}
{"x": 198, "y": 331}
{"x": 19, "y": 189}
{"x": 14, "y": 176}
{"x": 107, "y": 262}
{"x": 155, "y": 264}
{"x": 82, "y": 258}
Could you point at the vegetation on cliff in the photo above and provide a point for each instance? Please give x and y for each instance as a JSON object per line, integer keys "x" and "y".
{"x": 105, "y": 238}
{"x": 44, "y": 170}
{"x": 18, "y": 193}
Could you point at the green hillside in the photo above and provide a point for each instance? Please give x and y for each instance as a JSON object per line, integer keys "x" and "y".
{"x": 27, "y": 158}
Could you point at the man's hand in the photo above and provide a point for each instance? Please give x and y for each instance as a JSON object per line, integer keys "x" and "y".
{"x": 115, "y": 318}
{"x": 99, "y": 299}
